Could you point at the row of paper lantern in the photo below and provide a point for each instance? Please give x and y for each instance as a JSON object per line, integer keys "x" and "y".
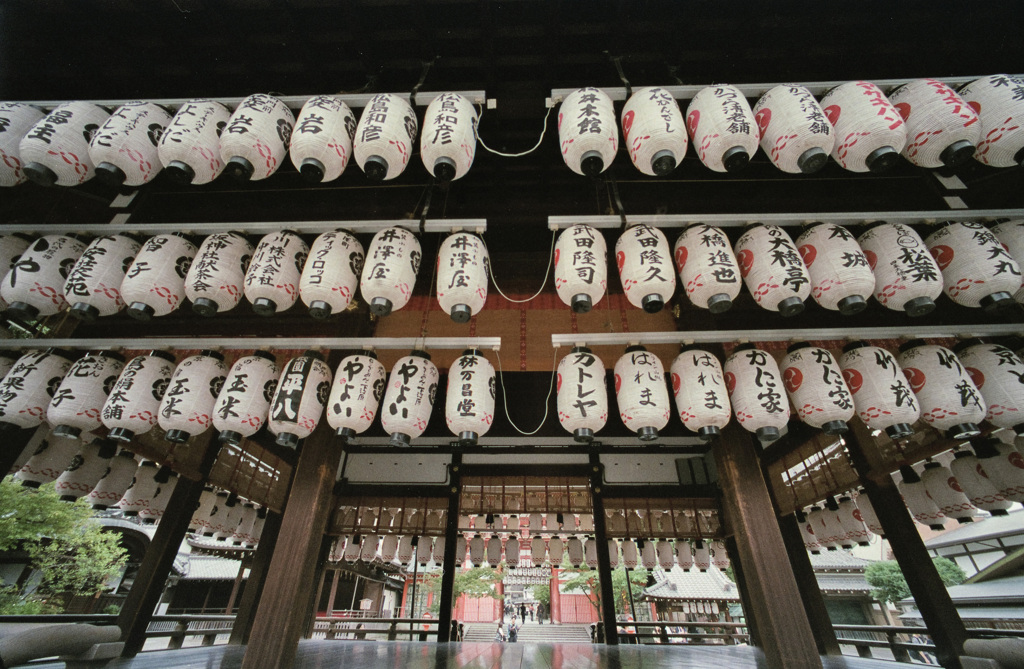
{"x": 925, "y": 121}
{"x": 225, "y": 517}
{"x": 79, "y": 140}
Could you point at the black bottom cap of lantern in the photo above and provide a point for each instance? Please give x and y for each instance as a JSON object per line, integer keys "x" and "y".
{"x": 581, "y": 303}
{"x": 854, "y": 304}
{"x": 110, "y": 174}
{"x": 30, "y": 484}
{"x": 1018, "y": 429}
{"x": 376, "y": 168}
{"x": 149, "y": 521}
{"x": 653, "y": 303}
{"x": 1019, "y": 159}
{"x": 592, "y": 164}
{"x": 812, "y": 160}
{"x": 380, "y": 306}
{"x": 663, "y": 163}
{"x": 919, "y": 306}
{"x": 899, "y": 430}
{"x": 204, "y": 306}
{"x": 177, "y": 436}
{"x": 22, "y": 310}
{"x": 68, "y": 498}
{"x": 957, "y": 153}
{"x": 791, "y": 306}
{"x": 346, "y": 434}
{"x": 963, "y": 519}
{"x": 140, "y": 311}
{"x": 834, "y": 427}
{"x": 444, "y": 170}
{"x": 647, "y": 433}
{"x": 100, "y": 507}
{"x": 584, "y": 435}
{"x": 461, "y": 313}
{"x": 239, "y": 169}
{"x": 735, "y": 159}
{"x": 720, "y": 303}
{"x": 40, "y": 174}
{"x": 320, "y": 310}
{"x": 768, "y": 433}
{"x": 66, "y": 431}
{"x": 997, "y": 302}
{"x": 708, "y": 433}
{"x": 882, "y": 159}
{"x": 399, "y": 439}
{"x": 963, "y": 431}
{"x": 264, "y": 306}
{"x": 120, "y": 434}
{"x": 130, "y": 514}
{"x": 312, "y": 170}
{"x": 468, "y": 438}
{"x": 938, "y": 527}
{"x": 230, "y": 437}
{"x": 998, "y": 512}
{"x": 84, "y": 312}
{"x": 180, "y": 172}
{"x": 288, "y": 440}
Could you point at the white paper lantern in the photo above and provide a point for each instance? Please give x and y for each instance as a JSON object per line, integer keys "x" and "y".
{"x": 207, "y": 500}
{"x": 462, "y": 276}
{"x": 666, "y": 555}
{"x": 56, "y": 149}
{"x": 841, "y": 279}
{"x": 999, "y": 375}
{"x": 226, "y": 521}
{"x": 552, "y": 521}
{"x": 645, "y": 267}
{"x": 34, "y": 287}
{"x": 613, "y": 553}
{"x": 1004, "y": 466}
{"x": 868, "y": 515}
{"x": 16, "y": 120}
{"x": 409, "y": 397}
{"x": 707, "y": 268}
{"x": 75, "y": 407}
{"x": 244, "y": 400}
{"x": 190, "y": 146}
{"x": 906, "y": 276}
{"x": 811, "y": 542}
{"x": 641, "y": 392}
{"x": 370, "y": 545}
{"x": 448, "y": 142}
{"x": 111, "y": 488}
{"x": 556, "y": 551}
{"x": 977, "y": 271}
{"x": 869, "y": 131}
{"x": 772, "y": 269}
{"x": 389, "y": 273}
{"x": 434, "y": 519}
{"x": 93, "y": 287}
{"x": 923, "y": 509}
{"x": 405, "y": 549}
{"x": 881, "y": 395}
{"x": 512, "y": 549}
{"x": 654, "y": 131}
{"x": 1009, "y": 233}
{"x": 155, "y": 283}
{"x": 574, "y": 548}
{"x": 257, "y": 529}
{"x": 85, "y": 470}
{"x": 684, "y": 554}
{"x": 586, "y": 522}
{"x": 255, "y": 141}
{"x": 616, "y": 523}
{"x": 719, "y": 556}
{"x": 243, "y": 533}
{"x": 587, "y": 133}
{"x": 979, "y": 489}
{"x": 795, "y": 134}
{"x": 469, "y": 404}
{"x": 7, "y": 361}
{"x": 186, "y": 409}
{"x": 214, "y": 282}
{"x": 27, "y": 389}
{"x": 701, "y": 555}
{"x": 996, "y": 99}
{"x": 143, "y": 489}
{"x": 389, "y": 548}
{"x": 272, "y": 280}
{"x": 648, "y": 555}
{"x": 329, "y": 279}
{"x": 826, "y": 533}
{"x": 756, "y": 392}
{"x": 949, "y": 400}
{"x": 835, "y": 523}
{"x": 158, "y": 504}
{"x": 630, "y": 554}
{"x": 476, "y": 550}
{"x": 437, "y": 552}
{"x": 134, "y": 401}
{"x": 581, "y": 267}
{"x": 11, "y": 248}
{"x": 582, "y": 394}
{"x": 124, "y": 149}
{"x": 702, "y": 400}
{"x": 385, "y": 137}
{"x": 722, "y": 128}
{"x": 590, "y": 553}
{"x": 816, "y": 387}
{"x": 353, "y": 549}
{"x": 299, "y": 398}
{"x": 942, "y": 129}
{"x": 215, "y": 513}
{"x": 945, "y": 491}
{"x": 322, "y": 142}
{"x": 48, "y": 459}
{"x": 494, "y": 551}
{"x": 852, "y": 522}
{"x": 355, "y": 395}
{"x": 424, "y": 551}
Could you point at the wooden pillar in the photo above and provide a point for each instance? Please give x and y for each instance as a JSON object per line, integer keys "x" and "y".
{"x": 336, "y": 574}
{"x": 314, "y": 597}
{"x": 451, "y": 534}
{"x": 555, "y": 613}
{"x": 604, "y": 564}
{"x": 741, "y": 585}
{"x": 783, "y": 627}
{"x": 236, "y": 587}
{"x": 257, "y": 579}
{"x": 283, "y": 605}
{"x": 810, "y": 591}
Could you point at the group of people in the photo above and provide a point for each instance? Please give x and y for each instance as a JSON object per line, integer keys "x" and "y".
{"x": 518, "y": 613}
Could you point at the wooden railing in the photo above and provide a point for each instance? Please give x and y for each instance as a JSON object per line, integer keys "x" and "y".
{"x": 659, "y": 632}
{"x": 903, "y": 642}
{"x": 410, "y": 629}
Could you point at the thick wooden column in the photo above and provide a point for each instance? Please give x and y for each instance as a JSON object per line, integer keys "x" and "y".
{"x": 451, "y": 537}
{"x": 314, "y": 596}
{"x": 257, "y": 579}
{"x": 810, "y": 591}
{"x": 604, "y": 563}
{"x": 783, "y": 627}
{"x": 741, "y": 585}
{"x": 283, "y": 605}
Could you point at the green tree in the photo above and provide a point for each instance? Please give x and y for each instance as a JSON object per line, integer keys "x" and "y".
{"x": 542, "y": 593}
{"x": 586, "y": 582}
{"x": 890, "y": 585}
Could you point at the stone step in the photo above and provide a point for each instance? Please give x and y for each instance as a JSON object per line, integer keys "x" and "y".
{"x": 531, "y": 633}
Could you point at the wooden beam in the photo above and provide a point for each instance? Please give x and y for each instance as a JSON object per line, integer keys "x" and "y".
{"x": 451, "y": 535}
{"x": 741, "y": 585}
{"x": 257, "y": 579}
{"x": 604, "y": 564}
{"x": 810, "y": 591}
{"x": 784, "y": 629}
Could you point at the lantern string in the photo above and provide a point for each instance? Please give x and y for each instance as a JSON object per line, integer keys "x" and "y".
{"x": 551, "y": 255}
{"x": 547, "y": 400}
{"x": 476, "y": 131}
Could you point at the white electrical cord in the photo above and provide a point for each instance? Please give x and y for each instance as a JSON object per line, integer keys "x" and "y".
{"x": 511, "y": 155}
{"x": 551, "y": 255}
{"x": 547, "y": 400}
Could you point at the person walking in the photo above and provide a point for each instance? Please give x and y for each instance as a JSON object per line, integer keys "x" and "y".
{"x": 499, "y": 635}
{"x": 531, "y": 611}
{"x": 541, "y": 611}
{"x": 522, "y": 612}
{"x": 513, "y": 633}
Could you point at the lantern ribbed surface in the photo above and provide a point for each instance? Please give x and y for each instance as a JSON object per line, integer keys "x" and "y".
{"x": 810, "y": 539}
{"x": 409, "y": 397}
{"x": 997, "y": 101}
{"x": 701, "y": 555}
{"x": 49, "y": 459}
{"x": 11, "y": 248}
{"x": 825, "y": 534}
{"x": 321, "y": 144}
{"x": 707, "y": 268}
{"x": 16, "y": 120}
{"x": 588, "y": 135}
{"x": 648, "y": 555}
{"x": 795, "y": 134}
{"x": 214, "y": 282}
{"x": 772, "y": 269}
{"x": 299, "y": 398}
{"x": 462, "y": 276}
{"x": 868, "y": 515}
{"x": 111, "y": 488}
{"x": 477, "y": 547}
{"x": 582, "y": 394}
{"x": 132, "y": 406}
{"x": 355, "y": 394}
{"x": 945, "y": 491}
{"x": 975, "y": 483}
{"x": 842, "y": 532}
{"x": 702, "y": 399}
{"x": 155, "y": 282}
{"x": 158, "y": 504}
{"x": 272, "y": 280}
{"x": 977, "y": 270}
{"x": 630, "y": 554}
{"x": 1004, "y": 466}
{"x": 187, "y": 407}
{"x": 352, "y": 549}
{"x": 448, "y": 142}
{"x": 684, "y": 554}
{"x": 190, "y": 146}
{"x": 870, "y": 133}
{"x": 254, "y": 142}
{"x": 641, "y": 393}
{"x": 852, "y": 522}
{"x": 229, "y": 517}
{"x": 243, "y": 533}
{"x": 385, "y": 137}
{"x": 389, "y": 273}
{"x": 881, "y": 394}
{"x": 666, "y": 554}
{"x": 389, "y": 548}
{"x": 85, "y": 470}
{"x": 719, "y": 556}
{"x": 469, "y": 404}
{"x": 581, "y": 267}
{"x": 756, "y": 392}
{"x": 949, "y": 400}
{"x": 244, "y": 400}
{"x": 512, "y": 551}
{"x": 574, "y": 548}
{"x": 209, "y": 523}
{"x": 56, "y": 149}
{"x": 556, "y": 551}
{"x": 370, "y": 544}
{"x": 1011, "y": 235}
{"x": 93, "y": 287}
{"x": 493, "y": 551}
{"x": 257, "y": 528}
{"x": 28, "y": 388}
{"x": 722, "y": 128}
{"x": 75, "y": 407}
{"x": 142, "y": 491}
{"x": 331, "y": 275}
{"x": 613, "y": 553}
{"x": 999, "y": 375}
{"x": 644, "y": 260}
{"x": 590, "y": 553}
{"x": 923, "y": 509}
{"x": 841, "y": 279}
{"x": 34, "y": 286}
{"x": 124, "y": 149}
{"x": 816, "y": 387}
{"x": 654, "y": 131}
{"x": 586, "y": 522}
{"x": 942, "y": 129}
{"x": 906, "y": 276}
{"x": 437, "y": 550}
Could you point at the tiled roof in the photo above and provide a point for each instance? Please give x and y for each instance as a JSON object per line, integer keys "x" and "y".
{"x": 695, "y": 585}
{"x": 991, "y": 527}
{"x": 204, "y": 568}
{"x": 839, "y": 559}
{"x": 840, "y": 582}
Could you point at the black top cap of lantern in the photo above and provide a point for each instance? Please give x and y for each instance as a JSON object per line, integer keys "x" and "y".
{"x": 652, "y": 303}
{"x": 581, "y": 349}
{"x": 744, "y": 347}
{"x": 854, "y": 345}
{"x": 634, "y": 348}
{"x": 420, "y": 354}
{"x": 180, "y": 172}
{"x": 239, "y": 169}
{"x": 966, "y": 343}
{"x": 376, "y": 168}
{"x": 40, "y": 174}
{"x": 113, "y": 355}
{"x": 873, "y": 224}
{"x": 266, "y": 355}
{"x": 316, "y": 355}
{"x": 791, "y": 306}
{"x": 997, "y": 301}
{"x": 110, "y": 174}
{"x": 797, "y": 346}
{"x": 320, "y": 310}
{"x": 369, "y": 354}
{"x": 288, "y": 440}
{"x": 61, "y": 353}
{"x": 913, "y": 343}
{"x": 312, "y": 170}
{"x": 471, "y": 351}
{"x": 852, "y": 304}
{"x": 216, "y": 355}
{"x": 107, "y": 448}
{"x": 165, "y": 355}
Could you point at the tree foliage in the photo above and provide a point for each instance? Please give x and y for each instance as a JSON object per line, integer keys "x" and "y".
{"x": 891, "y": 586}
{"x": 586, "y": 581}
{"x": 475, "y": 582}
{"x": 542, "y": 593}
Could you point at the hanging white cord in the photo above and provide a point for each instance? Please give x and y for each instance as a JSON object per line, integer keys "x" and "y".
{"x": 547, "y": 400}
{"x": 551, "y": 255}
{"x": 511, "y": 155}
